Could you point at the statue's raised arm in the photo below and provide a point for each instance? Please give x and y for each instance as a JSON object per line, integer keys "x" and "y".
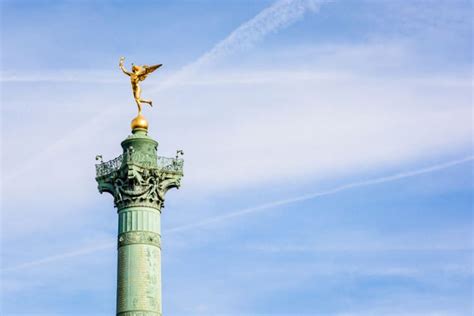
{"x": 122, "y": 60}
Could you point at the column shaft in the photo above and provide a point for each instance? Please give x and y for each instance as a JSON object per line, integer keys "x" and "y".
{"x": 139, "y": 262}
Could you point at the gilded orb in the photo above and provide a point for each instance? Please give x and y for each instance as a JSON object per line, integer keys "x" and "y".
{"x": 139, "y": 122}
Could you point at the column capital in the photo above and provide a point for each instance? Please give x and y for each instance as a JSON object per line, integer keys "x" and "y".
{"x": 139, "y": 177}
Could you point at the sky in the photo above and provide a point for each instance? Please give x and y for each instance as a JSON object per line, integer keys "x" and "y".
{"x": 327, "y": 146}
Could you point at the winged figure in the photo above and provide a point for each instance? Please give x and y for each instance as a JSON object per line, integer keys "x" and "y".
{"x": 138, "y": 73}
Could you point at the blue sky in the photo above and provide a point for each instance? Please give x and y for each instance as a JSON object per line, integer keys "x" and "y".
{"x": 328, "y": 154}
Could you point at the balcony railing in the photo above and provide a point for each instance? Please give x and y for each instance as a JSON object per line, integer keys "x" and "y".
{"x": 109, "y": 166}
{"x": 170, "y": 165}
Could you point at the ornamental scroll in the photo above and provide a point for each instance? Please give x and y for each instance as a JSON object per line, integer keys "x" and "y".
{"x": 133, "y": 185}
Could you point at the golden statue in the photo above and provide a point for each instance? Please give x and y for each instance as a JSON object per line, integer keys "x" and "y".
{"x": 138, "y": 73}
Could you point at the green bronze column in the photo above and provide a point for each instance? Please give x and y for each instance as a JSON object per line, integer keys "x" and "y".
{"x": 138, "y": 180}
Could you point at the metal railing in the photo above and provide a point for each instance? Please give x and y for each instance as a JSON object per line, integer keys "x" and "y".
{"x": 109, "y": 166}
{"x": 170, "y": 165}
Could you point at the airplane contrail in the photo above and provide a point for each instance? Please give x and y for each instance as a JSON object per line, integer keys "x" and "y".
{"x": 313, "y": 195}
{"x": 80, "y": 252}
{"x": 258, "y": 208}
{"x": 279, "y": 15}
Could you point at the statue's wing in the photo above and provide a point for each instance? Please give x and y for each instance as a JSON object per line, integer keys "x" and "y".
{"x": 148, "y": 70}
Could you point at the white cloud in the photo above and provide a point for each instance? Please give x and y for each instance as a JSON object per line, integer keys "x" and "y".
{"x": 247, "y": 130}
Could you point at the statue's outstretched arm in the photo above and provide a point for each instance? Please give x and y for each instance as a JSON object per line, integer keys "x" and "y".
{"x": 122, "y": 59}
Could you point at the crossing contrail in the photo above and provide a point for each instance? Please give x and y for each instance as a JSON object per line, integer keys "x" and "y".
{"x": 277, "y": 16}
{"x": 258, "y": 208}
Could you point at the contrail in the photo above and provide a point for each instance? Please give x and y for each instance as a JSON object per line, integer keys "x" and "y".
{"x": 259, "y": 208}
{"x": 80, "y": 252}
{"x": 275, "y": 17}
{"x": 309, "y": 196}
{"x": 278, "y": 16}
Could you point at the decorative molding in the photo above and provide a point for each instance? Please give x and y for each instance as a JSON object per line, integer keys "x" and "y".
{"x": 139, "y": 237}
{"x": 139, "y": 177}
{"x": 134, "y": 185}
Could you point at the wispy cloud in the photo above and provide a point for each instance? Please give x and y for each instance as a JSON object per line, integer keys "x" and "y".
{"x": 255, "y": 209}
{"x": 274, "y": 129}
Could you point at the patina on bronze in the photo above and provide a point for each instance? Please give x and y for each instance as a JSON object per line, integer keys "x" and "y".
{"x": 138, "y": 180}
